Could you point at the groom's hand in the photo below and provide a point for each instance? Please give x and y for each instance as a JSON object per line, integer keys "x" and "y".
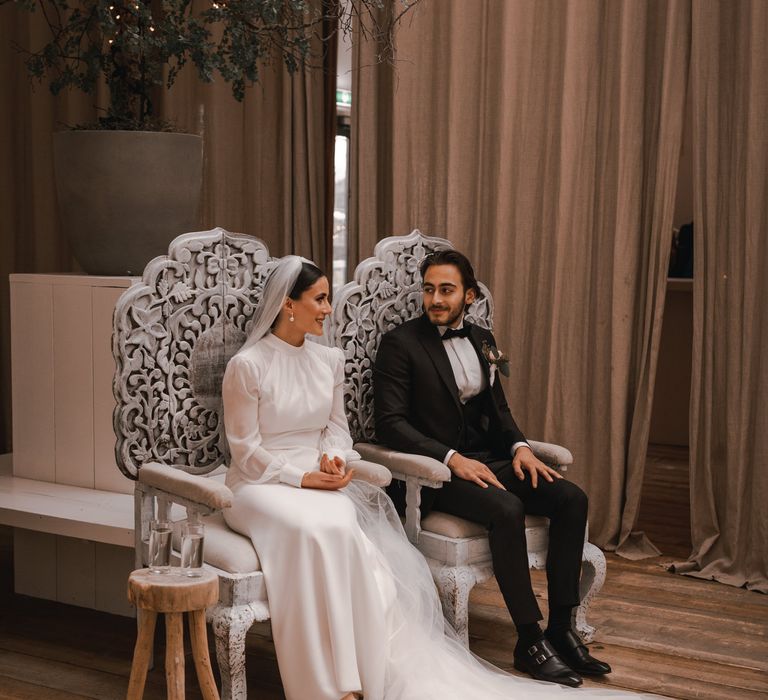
{"x": 524, "y": 459}
{"x": 472, "y": 470}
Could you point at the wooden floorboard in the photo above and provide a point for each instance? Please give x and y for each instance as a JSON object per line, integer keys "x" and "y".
{"x": 12, "y": 689}
{"x": 662, "y": 633}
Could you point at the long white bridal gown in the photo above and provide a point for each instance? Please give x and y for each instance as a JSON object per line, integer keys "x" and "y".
{"x": 353, "y": 604}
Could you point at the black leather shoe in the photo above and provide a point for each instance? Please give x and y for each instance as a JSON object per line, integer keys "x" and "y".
{"x": 541, "y": 661}
{"x": 577, "y": 656}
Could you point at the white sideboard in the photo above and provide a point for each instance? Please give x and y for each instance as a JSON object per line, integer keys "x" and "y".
{"x": 64, "y": 471}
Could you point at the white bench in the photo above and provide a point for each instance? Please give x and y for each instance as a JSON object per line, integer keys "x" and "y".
{"x": 70, "y": 507}
{"x": 67, "y": 511}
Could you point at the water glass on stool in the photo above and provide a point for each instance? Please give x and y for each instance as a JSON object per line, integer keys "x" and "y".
{"x": 160, "y": 533}
{"x": 192, "y": 540}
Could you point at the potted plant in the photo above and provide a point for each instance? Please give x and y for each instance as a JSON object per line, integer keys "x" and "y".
{"x": 128, "y": 183}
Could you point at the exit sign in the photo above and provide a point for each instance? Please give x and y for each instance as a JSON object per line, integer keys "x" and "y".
{"x": 344, "y": 97}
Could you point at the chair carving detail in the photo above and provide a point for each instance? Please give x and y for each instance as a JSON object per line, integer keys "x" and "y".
{"x": 174, "y": 333}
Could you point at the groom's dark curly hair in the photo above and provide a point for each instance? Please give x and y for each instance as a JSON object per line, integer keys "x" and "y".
{"x": 449, "y": 256}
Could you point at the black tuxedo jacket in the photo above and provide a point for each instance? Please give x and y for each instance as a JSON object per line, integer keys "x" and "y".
{"x": 416, "y": 400}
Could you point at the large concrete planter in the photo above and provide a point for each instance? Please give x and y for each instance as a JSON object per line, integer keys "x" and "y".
{"x": 125, "y": 195}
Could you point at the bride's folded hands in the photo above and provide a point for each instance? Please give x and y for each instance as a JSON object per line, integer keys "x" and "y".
{"x": 329, "y": 482}
{"x": 335, "y": 466}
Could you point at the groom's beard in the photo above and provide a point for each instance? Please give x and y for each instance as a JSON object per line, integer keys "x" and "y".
{"x": 448, "y": 320}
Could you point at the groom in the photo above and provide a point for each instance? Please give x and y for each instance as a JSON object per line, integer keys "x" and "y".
{"x": 436, "y": 394}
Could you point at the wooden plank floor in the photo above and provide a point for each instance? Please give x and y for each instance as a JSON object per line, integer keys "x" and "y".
{"x": 668, "y": 634}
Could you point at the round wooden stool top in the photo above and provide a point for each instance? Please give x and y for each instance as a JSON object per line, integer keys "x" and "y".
{"x": 172, "y": 592}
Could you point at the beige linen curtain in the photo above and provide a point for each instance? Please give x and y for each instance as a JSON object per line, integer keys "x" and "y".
{"x": 543, "y": 139}
{"x": 729, "y": 404}
{"x": 266, "y": 169}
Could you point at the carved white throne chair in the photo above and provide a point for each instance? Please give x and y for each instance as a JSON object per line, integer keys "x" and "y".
{"x": 385, "y": 292}
{"x": 174, "y": 332}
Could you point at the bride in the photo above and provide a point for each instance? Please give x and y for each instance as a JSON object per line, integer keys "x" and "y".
{"x": 354, "y": 609}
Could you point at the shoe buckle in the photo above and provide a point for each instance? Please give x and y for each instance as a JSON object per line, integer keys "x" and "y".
{"x": 540, "y": 659}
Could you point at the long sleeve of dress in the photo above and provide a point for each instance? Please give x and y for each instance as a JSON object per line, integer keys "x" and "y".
{"x": 240, "y": 392}
{"x": 335, "y": 440}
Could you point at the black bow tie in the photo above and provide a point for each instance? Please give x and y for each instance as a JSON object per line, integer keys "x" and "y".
{"x": 462, "y": 332}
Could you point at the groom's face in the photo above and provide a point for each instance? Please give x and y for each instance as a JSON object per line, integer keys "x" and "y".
{"x": 444, "y": 295}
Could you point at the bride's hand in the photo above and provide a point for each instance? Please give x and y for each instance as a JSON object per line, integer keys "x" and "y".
{"x": 327, "y": 482}
{"x": 332, "y": 466}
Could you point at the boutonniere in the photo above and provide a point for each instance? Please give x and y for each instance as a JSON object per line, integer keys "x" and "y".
{"x": 497, "y": 360}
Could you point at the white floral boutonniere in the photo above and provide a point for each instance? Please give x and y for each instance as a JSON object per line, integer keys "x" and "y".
{"x": 497, "y": 360}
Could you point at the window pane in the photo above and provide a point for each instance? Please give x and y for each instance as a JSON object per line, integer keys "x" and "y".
{"x": 340, "y": 202}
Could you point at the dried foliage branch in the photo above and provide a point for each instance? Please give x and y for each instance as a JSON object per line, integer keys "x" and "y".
{"x": 139, "y": 46}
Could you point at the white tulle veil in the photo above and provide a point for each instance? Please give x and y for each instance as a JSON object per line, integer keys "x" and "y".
{"x": 278, "y": 286}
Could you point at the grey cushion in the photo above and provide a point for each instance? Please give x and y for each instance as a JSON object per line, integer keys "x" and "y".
{"x": 551, "y": 454}
{"x": 224, "y": 548}
{"x": 452, "y": 526}
{"x": 198, "y": 489}
{"x": 371, "y": 472}
{"x": 404, "y": 463}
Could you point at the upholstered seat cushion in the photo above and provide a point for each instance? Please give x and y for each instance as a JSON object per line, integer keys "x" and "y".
{"x": 452, "y": 526}
{"x": 224, "y": 548}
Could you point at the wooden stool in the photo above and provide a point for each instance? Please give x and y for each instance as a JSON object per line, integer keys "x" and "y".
{"x": 172, "y": 594}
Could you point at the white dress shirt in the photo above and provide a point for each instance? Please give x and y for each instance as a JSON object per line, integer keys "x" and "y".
{"x": 468, "y": 373}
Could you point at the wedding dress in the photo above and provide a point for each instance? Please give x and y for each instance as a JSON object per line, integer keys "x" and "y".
{"x": 353, "y": 604}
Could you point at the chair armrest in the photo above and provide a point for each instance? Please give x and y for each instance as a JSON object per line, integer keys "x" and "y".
{"x": 402, "y": 463}
{"x": 551, "y": 454}
{"x": 189, "y": 487}
{"x": 371, "y": 472}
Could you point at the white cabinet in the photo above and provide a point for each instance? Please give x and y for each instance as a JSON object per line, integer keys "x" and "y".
{"x": 62, "y": 371}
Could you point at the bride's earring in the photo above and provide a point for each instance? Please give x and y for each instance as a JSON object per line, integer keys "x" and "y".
{"x": 290, "y": 318}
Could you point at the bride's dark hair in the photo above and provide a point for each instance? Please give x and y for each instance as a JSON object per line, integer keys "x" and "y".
{"x": 309, "y": 274}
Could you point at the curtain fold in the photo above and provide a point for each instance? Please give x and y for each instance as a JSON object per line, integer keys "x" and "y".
{"x": 370, "y": 159}
{"x": 266, "y": 172}
{"x": 543, "y": 139}
{"x": 729, "y": 411}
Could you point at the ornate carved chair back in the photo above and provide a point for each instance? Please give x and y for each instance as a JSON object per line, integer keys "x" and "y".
{"x": 175, "y": 331}
{"x": 385, "y": 292}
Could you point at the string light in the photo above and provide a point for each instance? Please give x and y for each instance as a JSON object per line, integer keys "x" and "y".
{"x": 117, "y": 16}
{"x": 151, "y": 29}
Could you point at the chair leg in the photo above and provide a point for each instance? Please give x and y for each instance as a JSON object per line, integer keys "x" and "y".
{"x": 454, "y": 583}
{"x": 592, "y": 579}
{"x": 230, "y": 625}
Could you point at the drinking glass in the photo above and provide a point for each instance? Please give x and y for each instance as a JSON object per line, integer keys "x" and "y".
{"x": 160, "y": 533}
{"x": 192, "y": 540}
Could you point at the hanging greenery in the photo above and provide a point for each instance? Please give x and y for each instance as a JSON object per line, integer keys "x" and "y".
{"x": 137, "y": 47}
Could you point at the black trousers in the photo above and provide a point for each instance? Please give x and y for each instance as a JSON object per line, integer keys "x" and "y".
{"x": 503, "y": 513}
